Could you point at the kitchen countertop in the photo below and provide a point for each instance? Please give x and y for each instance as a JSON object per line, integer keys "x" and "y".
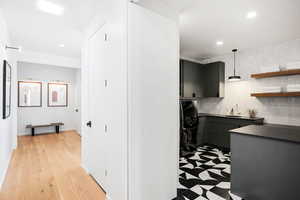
{"x": 229, "y": 117}
{"x": 271, "y": 131}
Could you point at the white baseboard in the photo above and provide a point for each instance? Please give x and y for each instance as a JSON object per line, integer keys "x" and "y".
{"x": 4, "y": 170}
{"x": 15, "y": 145}
{"x": 107, "y": 197}
{"x": 85, "y": 168}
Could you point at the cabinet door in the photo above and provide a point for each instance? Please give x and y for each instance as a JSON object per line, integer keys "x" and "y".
{"x": 211, "y": 80}
{"x": 200, "y": 132}
{"x": 191, "y": 79}
{"x": 97, "y": 100}
{"x": 217, "y": 131}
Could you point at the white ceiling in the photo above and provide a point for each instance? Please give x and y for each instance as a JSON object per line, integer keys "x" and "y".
{"x": 205, "y": 22}
{"x": 202, "y": 24}
{"x": 42, "y": 32}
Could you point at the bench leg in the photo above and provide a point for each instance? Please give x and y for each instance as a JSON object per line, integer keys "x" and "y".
{"x": 32, "y": 132}
{"x": 57, "y": 129}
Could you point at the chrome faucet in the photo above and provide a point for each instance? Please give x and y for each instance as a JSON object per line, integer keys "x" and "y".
{"x": 235, "y": 111}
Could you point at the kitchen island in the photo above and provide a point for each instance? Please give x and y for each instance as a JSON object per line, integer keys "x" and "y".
{"x": 265, "y": 162}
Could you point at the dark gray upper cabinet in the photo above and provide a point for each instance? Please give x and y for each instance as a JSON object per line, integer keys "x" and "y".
{"x": 191, "y": 79}
{"x": 201, "y": 80}
{"x": 214, "y": 79}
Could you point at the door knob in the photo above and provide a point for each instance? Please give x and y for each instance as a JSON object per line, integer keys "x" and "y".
{"x": 89, "y": 124}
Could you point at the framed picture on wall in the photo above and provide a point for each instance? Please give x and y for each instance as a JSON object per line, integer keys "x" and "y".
{"x": 57, "y": 95}
{"x": 6, "y": 90}
{"x": 29, "y": 94}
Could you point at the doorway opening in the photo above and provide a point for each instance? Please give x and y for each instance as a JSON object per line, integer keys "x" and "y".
{"x": 204, "y": 167}
{"x": 49, "y": 99}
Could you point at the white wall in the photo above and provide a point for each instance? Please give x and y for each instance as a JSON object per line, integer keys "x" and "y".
{"x": 145, "y": 72}
{"x": 6, "y": 136}
{"x": 280, "y": 110}
{"x": 153, "y": 95}
{"x": 161, "y": 8}
{"x": 78, "y": 100}
{"x": 48, "y": 59}
{"x": 45, "y": 114}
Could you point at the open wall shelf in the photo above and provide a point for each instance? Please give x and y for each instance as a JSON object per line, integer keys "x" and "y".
{"x": 279, "y": 94}
{"x": 274, "y": 74}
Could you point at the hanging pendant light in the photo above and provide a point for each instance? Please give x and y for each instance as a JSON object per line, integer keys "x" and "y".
{"x": 234, "y": 77}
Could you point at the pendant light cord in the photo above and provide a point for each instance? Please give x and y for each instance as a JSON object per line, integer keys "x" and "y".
{"x": 234, "y": 63}
{"x": 234, "y": 77}
{"x": 234, "y": 60}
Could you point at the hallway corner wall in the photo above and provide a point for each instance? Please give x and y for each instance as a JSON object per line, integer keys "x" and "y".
{"x": 6, "y": 136}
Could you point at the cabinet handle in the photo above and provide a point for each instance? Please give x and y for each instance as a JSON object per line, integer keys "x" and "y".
{"x": 105, "y": 128}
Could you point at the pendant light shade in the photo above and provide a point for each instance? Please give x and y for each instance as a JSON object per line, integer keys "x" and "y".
{"x": 234, "y": 77}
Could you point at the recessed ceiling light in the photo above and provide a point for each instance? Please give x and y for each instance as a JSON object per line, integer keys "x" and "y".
{"x": 251, "y": 15}
{"x": 219, "y": 43}
{"x": 62, "y": 45}
{"x": 49, "y": 7}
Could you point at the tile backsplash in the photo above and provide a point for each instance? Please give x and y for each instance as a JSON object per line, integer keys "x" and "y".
{"x": 279, "y": 110}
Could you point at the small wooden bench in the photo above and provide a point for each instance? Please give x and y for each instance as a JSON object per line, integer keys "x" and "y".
{"x": 33, "y": 127}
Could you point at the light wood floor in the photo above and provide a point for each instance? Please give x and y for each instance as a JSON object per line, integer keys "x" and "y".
{"x": 47, "y": 167}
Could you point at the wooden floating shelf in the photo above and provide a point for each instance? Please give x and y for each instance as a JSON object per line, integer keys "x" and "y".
{"x": 279, "y": 94}
{"x": 274, "y": 74}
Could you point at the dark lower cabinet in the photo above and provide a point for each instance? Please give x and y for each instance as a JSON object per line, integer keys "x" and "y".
{"x": 263, "y": 166}
{"x": 215, "y": 130}
{"x": 200, "y": 132}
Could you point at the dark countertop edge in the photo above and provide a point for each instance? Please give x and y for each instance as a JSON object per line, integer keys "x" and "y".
{"x": 279, "y": 137}
{"x": 228, "y": 117}
{"x": 283, "y": 126}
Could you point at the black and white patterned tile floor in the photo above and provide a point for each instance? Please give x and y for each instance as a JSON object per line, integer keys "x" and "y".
{"x": 205, "y": 175}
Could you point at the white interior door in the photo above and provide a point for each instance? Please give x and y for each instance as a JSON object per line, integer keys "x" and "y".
{"x": 97, "y": 145}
